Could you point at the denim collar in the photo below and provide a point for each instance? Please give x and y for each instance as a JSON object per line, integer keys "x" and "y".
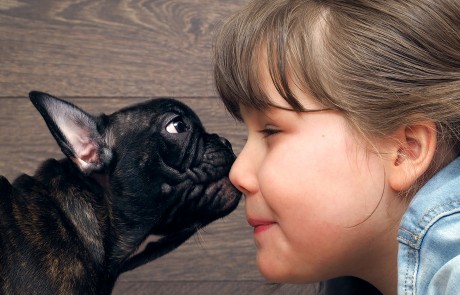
{"x": 439, "y": 197}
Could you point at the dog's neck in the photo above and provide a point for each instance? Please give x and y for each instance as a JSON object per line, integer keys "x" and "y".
{"x": 126, "y": 241}
{"x": 82, "y": 213}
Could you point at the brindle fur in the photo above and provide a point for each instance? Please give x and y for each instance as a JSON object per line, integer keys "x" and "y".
{"x": 75, "y": 226}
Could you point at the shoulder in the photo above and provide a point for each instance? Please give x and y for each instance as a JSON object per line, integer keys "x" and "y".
{"x": 429, "y": 239}
{"x": 430, "y": 262}
{"x": 446, "y": 279}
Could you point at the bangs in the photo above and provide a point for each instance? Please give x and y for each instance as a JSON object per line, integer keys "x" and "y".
{"x": 282, "y": 31}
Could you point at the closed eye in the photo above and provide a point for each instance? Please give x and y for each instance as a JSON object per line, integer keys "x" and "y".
{"x": 269, "y": 131}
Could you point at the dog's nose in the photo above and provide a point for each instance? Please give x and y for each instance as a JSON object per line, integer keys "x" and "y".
{"x": 225, "y": 142}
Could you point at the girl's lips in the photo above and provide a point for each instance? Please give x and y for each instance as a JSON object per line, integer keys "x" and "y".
{"x": 260, "y": 225}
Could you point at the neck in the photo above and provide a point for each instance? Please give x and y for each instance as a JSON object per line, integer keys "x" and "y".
{"x": 387, "y": 281}
{"x": 122, "y": 238}
{"x": 125, "y": 238}
{"x": 382, "y": 269}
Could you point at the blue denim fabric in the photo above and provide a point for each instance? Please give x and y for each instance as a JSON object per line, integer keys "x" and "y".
{"x": 429, "y": 237}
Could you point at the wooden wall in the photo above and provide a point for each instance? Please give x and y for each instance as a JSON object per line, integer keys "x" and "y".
{"x": 103, "y": 55}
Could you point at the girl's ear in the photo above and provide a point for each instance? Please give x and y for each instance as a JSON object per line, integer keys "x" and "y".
{"x": 411, "y": 154}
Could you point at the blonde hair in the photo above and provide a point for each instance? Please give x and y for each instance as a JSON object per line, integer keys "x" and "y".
{"x": 383, "y": 64}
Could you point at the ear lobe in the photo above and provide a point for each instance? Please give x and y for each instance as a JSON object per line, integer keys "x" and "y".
{"x": 412, "y": 153}
{"x": 75, "y": 131}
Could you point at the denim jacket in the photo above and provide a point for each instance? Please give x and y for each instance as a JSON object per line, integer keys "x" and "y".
{"x": 429, "y": 237}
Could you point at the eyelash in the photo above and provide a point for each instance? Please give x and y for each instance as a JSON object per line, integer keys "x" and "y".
{"x": 266, "y": 132}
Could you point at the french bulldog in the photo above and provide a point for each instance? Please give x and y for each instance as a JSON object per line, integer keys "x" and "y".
{"x": 77, "y": 224}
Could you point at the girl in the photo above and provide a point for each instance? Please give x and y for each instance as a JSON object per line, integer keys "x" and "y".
{"x": 353, "y": 117}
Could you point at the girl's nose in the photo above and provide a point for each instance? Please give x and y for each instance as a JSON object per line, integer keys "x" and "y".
{"x": 243, "y": 173}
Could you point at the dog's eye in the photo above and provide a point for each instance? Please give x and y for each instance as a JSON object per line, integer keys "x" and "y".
{"x": 176, "y": 126}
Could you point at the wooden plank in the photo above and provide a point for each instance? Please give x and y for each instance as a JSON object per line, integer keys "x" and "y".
{"x": 212, "y": 288}
{"x": 110, "y": 48}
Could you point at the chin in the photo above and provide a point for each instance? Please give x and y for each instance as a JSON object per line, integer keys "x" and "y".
{"x": 277, "y": 272}
{"x": 274, "y": 272}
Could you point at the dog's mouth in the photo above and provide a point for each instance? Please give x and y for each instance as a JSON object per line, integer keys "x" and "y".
{"x": 199, "y": 204}
{"x": 225, "y": 194}
{"x": 204, "y": 192}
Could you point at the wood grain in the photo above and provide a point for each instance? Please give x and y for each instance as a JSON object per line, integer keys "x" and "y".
{"x": 110, "y": 48}
{"x": 212, "y": 288}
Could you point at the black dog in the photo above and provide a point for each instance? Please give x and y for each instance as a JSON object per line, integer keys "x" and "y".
{"x": 75, "y": 226}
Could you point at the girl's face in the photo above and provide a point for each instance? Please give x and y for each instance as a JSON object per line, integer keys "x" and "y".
{"x": 314, "y": 193}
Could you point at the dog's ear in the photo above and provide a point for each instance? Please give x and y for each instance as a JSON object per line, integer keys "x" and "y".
{"x": 75, "y": 131}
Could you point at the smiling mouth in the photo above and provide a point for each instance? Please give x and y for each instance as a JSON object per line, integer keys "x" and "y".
{"x": 260, "y": 225}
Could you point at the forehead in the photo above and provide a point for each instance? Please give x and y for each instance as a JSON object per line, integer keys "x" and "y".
{"x": 154, "y": 108}
{"x": 152, "y": 115}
